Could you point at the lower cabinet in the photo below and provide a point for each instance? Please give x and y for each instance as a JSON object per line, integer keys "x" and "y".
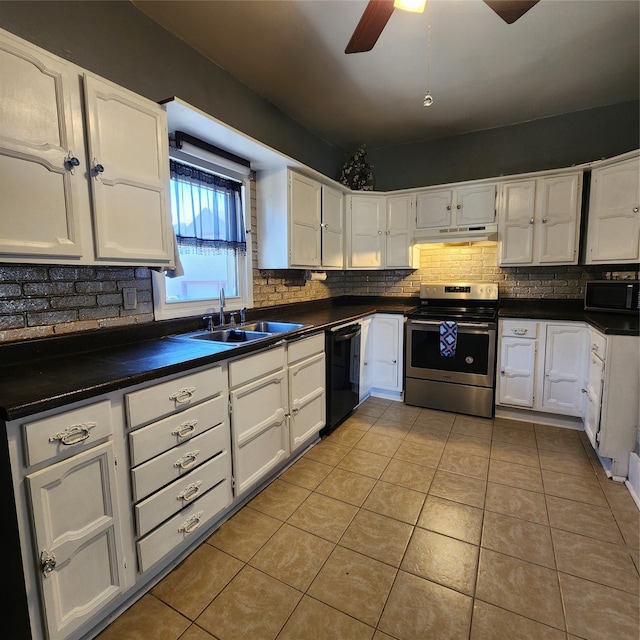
{"x": 542, "y": 366}
{"x": 77, "y": 536}
{"x": 382, "y": 356}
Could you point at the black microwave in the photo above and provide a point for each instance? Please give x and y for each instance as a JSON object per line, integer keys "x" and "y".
{"x": 621, "y": 296}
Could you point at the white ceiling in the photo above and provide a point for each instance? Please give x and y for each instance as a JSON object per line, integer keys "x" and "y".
{"x": 561, "y": 56}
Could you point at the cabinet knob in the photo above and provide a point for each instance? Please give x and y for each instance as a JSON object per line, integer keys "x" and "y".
{"x": 47, "y": 562}
{"x": 635, "y": 209}
{"x": 544, "y": 221}
{"x": 531, "y": 221}
{"x": 448, "y": 207}
{"x": 71, "y": 162}
{"x": 97, "y": 167}
{"x": 379, "y": 233}
{"x": 459, "y": 206}
{"x": 502, "y": 372}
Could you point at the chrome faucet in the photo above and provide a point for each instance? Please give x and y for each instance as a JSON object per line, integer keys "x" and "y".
{"x": 222, "y": 303}
{"x": 243, "y": 313}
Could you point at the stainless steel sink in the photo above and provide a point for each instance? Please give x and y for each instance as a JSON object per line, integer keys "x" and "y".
{"x": 230, "y": 335}
{"x": 272, "y": 327}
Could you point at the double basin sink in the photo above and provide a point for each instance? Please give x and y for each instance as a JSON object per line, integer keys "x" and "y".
{"x": 247, "y": 332}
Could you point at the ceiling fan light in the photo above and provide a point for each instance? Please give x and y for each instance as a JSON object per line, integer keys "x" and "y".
{"x": 416, "y": 6}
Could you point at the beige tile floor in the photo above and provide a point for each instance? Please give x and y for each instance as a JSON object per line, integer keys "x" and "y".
{"x": 411, "y": 524}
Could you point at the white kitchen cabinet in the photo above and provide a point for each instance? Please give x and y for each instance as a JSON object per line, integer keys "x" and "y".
{"x": 564, "y": 366}
{"x": 300, "y": 222}
{"x": 51, "y": 160}
{"x": 541, "y": 366}
{"x": 364, "y": 356}
{"x": 518, "y": 348}
{"x": 539, "y": 220}
{"x": 78, "y": 538}
{"x": 383, "y": 363}
{"x": 614, "y": 379}
{"x": 332, "y": 228}
{"x": 613, "y": 221}
{"x": 472, "y": 204}
{"x": 259, "y": 427}
{"x": 307, "y": 397}
{"x": 379, "y": 231}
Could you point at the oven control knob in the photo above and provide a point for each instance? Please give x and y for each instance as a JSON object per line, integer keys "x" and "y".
{"x": 469, "y": 359}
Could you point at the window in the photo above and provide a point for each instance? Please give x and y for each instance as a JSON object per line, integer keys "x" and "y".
{"x": 208, "y": 216}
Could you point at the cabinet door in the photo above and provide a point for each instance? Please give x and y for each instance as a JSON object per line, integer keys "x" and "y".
{"x": 517, "y": 365}
{"x": 332, "y": 228}
{"x": 307, "y": 403}
{"x": 564, "y": 367}
{"x": 386, "y": 352}
{"x": 557, "y": 219}
{"x": 475, "y": 204}
{"x": 76, "y": 527}
{"x": 365, "y": 358}
{"x": 516, "y": 222}
{"x": 595, "y": 382}
{"x": 259, "y": 429}
{"x": 434, "y": 208}
{"x": 304, "y": 209}
{"x": 129, "y": 175}
{"x": 399, "y": 227}
{"x": 367, "y": 239}
{"x": 39, "y": 191}
{"x": 613, "y": 234}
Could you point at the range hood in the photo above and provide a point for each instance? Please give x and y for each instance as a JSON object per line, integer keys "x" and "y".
{"x": 471, "y": 233}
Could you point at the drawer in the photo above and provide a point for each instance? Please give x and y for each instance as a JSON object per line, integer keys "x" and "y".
{"x": 150, "y": 476}
{"x": 188, "y": 523}
{"x": 520, "y": 328}
{"x": 165, "y": 398}
{"x": 257, "y": 366}
{"x": 68, "y": 432}
{"x": 164, "y": 503}
{"x": 305, "y": 348}
{"x": 158, "y": 437}
{"x": 598, "y": 344}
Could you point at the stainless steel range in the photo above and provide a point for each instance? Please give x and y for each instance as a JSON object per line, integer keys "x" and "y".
{"x": 451, "y": 348}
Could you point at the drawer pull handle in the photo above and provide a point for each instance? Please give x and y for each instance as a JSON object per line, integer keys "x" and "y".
{"x": 192, "y": 523}
{"x": 73, "y": 435}
{"x": 182, "y": 396}
{"x": 520, "y": 332}
{"x": 185, "y": 429}
{"x": 190, "y": 491}
{"x": 47, "y": 562}
{"x": 594, "y": 348}
{"x": 188, "y": 460}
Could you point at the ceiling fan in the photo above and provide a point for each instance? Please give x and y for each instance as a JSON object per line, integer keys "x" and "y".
{"x": 377, "y": 14}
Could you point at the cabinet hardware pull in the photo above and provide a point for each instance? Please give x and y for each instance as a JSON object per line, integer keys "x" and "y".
{"x": 520, "y": 332}
{"x": 47, "y": 562}
{"x": 187, "y": 460}
{"x": 192, "y": 523}
{"x": 295, "y": 411}
{"x": 544, "y": 221}
{"x": 531, "y": 221}
{"x": 97, "y": 168}
{"x": 448, "y": 207}
{"x": 379, "y": 233}
{"x": 185, "y": 429}
{"x": 190, "y": 491}
{"x": 182, "y": 396}
{"x": 635, "y": 209}
{"x": 74, "y": 434}
{"x": 71, "y": 162}
{"x": 459, "y": 206}
{"x": 502, "y": 372}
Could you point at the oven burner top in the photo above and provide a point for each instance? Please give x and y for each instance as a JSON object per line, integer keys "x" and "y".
{"x": 467, "y": 314}
{"x": 457, "y": 302}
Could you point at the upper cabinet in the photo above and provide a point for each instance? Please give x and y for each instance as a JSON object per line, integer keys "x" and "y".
{"x": 539, "y": 220}
{"x": 467, "y": 205}
{"x": 76, "y": 192}
{"x": 379, "y": 231}
{"x": 613, "y": 223}
{"x": 300, "y": 222}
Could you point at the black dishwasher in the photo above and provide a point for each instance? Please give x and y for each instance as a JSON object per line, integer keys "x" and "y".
{"x": 343, "y": 373}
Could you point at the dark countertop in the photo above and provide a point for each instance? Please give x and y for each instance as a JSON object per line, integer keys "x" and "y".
{"x": 622, "y": 324}
{"x": 47, "y": 373}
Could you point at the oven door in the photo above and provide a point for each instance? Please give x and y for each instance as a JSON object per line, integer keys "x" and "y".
{"x": 472, "y": 364}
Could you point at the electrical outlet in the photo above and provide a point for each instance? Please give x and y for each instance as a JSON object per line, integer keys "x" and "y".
{"x": 130, "y": 296}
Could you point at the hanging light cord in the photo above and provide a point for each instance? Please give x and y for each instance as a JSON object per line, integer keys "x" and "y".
{"x": 428, "y": 99}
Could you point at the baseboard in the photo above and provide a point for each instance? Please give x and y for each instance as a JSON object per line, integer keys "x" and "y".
{"x": 539, "y": 417}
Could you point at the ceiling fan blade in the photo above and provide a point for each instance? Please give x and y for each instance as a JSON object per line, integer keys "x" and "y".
{"x": 511, "y": 10}
{"x": 373, "y": 20}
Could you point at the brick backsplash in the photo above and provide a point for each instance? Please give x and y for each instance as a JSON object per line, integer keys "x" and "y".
{"x": 43, "y": 300}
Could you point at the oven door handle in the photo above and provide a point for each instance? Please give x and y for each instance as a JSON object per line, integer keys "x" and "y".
{"x": 465, "y": 325}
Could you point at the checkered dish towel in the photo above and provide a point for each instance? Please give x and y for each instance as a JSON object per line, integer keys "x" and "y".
{"x": 448, "y": 338}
